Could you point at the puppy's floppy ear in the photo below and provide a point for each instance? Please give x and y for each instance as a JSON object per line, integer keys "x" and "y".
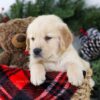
{"x": 27, "y": 40}
{"x": 66, "y": 36}
{"x": 27, "y": 44}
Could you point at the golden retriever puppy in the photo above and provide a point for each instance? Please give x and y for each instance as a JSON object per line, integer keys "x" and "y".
{"x": 49, "y": 42}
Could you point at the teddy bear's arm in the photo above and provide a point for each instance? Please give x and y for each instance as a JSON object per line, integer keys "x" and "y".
{"x": 5, "y": 58}
{"x": 3, "y": 46}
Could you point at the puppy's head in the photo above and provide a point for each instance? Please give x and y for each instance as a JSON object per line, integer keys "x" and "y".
{"x": 47, "y": 37}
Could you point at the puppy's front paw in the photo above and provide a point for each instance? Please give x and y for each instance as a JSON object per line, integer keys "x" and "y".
{"x": 37, "y": 73}
{"x": 37, "y": 78}
{"x": 75, "y": 75}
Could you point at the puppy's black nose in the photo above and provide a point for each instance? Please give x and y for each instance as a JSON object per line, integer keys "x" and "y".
{"x": 37, "y": 51}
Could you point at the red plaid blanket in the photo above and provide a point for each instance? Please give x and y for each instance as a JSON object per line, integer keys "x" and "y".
{"x": 15, "y": 85}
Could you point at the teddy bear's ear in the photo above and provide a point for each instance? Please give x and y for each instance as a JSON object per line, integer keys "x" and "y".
{"x": 27, "y": 44}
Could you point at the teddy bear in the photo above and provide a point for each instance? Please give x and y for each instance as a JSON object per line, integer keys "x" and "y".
{"x": 13, "y": 42}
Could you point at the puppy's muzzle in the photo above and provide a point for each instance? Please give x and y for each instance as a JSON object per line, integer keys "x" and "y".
{"x": 37, "y": 52}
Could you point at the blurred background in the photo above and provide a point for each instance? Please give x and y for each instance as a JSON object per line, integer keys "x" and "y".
{"x": 78, "y": 14}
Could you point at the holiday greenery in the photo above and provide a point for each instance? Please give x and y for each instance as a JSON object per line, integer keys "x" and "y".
{"x": 96, "y": 68}
{"x": 96, "y": 76}
{"x": 72, "y": 12}
{"x": 4, "y": 18}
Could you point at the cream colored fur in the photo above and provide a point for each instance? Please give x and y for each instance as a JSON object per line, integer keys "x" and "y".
{"x": 58, "y": 53}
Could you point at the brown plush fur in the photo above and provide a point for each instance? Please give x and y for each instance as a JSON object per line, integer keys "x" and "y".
{"x": 12, "y": 41}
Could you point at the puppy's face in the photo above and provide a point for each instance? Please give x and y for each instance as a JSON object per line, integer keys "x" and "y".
{"x": 47, "y": 41}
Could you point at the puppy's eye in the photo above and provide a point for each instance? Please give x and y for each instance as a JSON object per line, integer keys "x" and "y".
{"x": 48, "y": 38}
{"x": 32, "y": 38}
